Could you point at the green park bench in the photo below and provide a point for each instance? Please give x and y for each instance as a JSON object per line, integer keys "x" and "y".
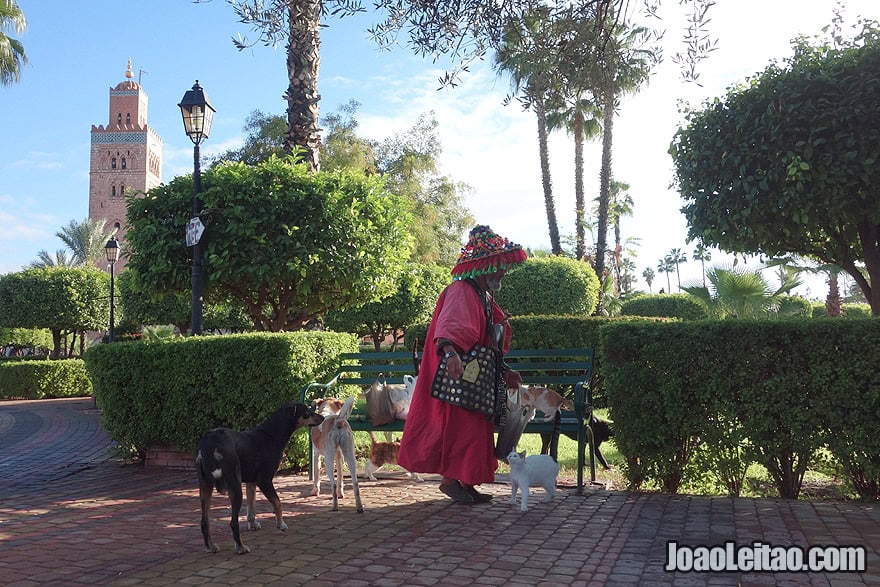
{"x": 568, "y": 371}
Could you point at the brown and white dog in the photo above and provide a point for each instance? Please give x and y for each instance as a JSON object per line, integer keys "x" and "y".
{"x": 226, "y": 459}
{"x": 334, "y": 440}
{"x": 385, "y": 453}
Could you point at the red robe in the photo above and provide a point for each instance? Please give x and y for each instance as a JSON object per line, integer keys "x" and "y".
{"x": 439, "y": 437}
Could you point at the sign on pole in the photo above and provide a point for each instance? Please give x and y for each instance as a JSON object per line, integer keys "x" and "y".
{"x": 194, "y": 231}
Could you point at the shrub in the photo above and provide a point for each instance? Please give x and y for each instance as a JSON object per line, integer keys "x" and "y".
{"x": 41, "y": 379}
{"x": 664, "y": 305}
{"x": 794, "y": 307}
{"x": 170, "y": 391}
{"x": 550, "y": 286}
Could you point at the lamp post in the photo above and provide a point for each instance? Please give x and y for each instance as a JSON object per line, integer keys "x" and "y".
{"x": 198, "y": 114}
{"x": 111, "y": 249}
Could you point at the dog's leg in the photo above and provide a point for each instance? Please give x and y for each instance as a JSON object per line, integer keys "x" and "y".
{"x": 316, "y": 470}
{"x": 352, "y": 468}
{"x": 271, "y": 494}
{"x": 235, "y": 501}
{"x": 250, "y": 506}
{"x": 330, "y": 457}
{"x": 340, "y": 491}
{"x": 205, "y": 492}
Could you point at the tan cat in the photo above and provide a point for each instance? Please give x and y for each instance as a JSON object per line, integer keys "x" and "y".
{"x": 540, "y": 398}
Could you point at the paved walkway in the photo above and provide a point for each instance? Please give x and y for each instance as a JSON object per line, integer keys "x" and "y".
{"x": 72, "y": 514}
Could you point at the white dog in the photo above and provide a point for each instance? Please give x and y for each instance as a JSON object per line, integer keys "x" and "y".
{"x": 333, "y": 439}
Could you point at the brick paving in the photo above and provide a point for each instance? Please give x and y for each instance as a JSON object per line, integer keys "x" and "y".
{"x": 72, "y": 514}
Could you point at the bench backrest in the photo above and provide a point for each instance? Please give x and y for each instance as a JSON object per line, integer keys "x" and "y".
{"x": 547, "y": 367}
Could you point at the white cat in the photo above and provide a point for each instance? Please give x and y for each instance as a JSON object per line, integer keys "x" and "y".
{"x": 530, "y": 471}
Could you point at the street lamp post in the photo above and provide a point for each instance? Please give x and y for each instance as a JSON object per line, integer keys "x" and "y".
{"x": 198, "y": 114}
{"x": 111, "y": 249}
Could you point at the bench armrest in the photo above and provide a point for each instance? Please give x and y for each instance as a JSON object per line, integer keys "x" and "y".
{"x": 304, "y": 394}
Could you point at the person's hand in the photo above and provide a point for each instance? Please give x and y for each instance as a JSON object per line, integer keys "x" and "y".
{"x": 512, "y": 379}
{"x": 454, "y": 366}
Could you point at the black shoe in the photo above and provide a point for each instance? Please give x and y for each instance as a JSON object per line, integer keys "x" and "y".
{"x": 478, "y": 497}
{"x": 458, "y": 493}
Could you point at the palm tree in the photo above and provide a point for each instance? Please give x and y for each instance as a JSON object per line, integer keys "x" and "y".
{"x": 85, "y": 241}
{"x": 740, "y": 293}
{"x": 12, "y": 56}
{"x": 621, "y": 204}
{"x": 648, "y": 275}
{"x": 618, "y": 66}
{"x": 702, "y": 254}
{"x": 665, "y": 265}
{"x": 527, "y": 54}
{"x": 677, "y": 256}
{"x": 44, "y": 259}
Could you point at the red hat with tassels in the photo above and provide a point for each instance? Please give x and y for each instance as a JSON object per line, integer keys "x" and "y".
{"x": 487, "y": 252}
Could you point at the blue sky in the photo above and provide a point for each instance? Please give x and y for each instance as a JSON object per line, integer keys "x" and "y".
{"x": 78, "y": 51}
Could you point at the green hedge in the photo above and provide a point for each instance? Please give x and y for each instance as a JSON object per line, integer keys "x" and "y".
{"x": 664, "y": 305}
{"x": 546, "y": 285}
{"x": 769, "y": 391}
{"x": 41, "y": 379}
{"x": 171, "y": 391}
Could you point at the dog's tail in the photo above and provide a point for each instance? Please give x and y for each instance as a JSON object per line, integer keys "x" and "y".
{"x": 345, "y": 411}
{"x": 210, "y": 470}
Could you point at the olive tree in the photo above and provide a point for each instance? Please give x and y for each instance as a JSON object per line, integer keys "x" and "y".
{"x": 284, "y": 242}
{"x": 790, "y": 161}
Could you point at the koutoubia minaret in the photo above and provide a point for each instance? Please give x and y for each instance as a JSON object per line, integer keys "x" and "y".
{"x": 126, "y": 158}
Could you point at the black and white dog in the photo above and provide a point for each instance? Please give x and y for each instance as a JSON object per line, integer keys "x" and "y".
{"x": 227, "y": 458}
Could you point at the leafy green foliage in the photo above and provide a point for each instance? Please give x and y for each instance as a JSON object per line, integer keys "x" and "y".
{"x": 550, "y": 285}
{"x": 44, "y": 379}
{"x": 414, "y": 301}
{"x": 26, "y": 337}
{"x": 742, "y": 293}
{"x": 285, "y": 243}
{"x": 169, "y": 392}
{"x": 61, "y": 299}
{"x": 788, "y": 163}
{"x": 772, "y": 391}
{"x": 664, "y": 305}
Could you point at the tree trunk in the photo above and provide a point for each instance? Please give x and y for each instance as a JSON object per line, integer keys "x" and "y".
{"x": 604, "y": 188}
{"x": 579, "y": 210}
{"x": 555, "y": 245}
{"x": 833, "y": 302}
{"x": 303, "y": 63}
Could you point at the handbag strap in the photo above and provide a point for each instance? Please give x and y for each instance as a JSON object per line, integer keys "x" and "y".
{"x": 487, "y": 309}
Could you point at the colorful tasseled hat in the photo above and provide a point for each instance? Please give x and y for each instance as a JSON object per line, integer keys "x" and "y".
{"x": 486, "y": 252}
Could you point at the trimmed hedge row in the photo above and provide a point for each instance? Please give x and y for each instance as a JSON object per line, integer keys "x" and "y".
{"x": 39, "y": 378}
{"x": 669, "y": 305}
{"x": 742, "y": 391}
{"x": 171, "y": 391}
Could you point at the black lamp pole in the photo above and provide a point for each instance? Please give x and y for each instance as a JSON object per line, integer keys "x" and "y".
{"x": 111, "y": 249}
{"x": 198, "y": 114}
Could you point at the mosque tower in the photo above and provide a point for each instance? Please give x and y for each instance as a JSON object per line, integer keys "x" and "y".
{"x": 126, "y": 158}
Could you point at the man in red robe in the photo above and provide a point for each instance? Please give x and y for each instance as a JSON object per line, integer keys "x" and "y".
{"x": 440, "y": 437}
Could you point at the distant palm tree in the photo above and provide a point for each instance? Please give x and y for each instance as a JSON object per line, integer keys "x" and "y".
{"x": 648, "y": 274}
{"x": 665, "y": 265}
{"x": 12, "y": 57}
{"x": 702, "y": 254}
{"x": 677, "y": 256}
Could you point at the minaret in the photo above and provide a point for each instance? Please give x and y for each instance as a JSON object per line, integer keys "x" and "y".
{"x": 126, "y": 158}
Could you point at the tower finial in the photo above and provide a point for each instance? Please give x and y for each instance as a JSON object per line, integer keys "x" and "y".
{"x": 128, "y": 72}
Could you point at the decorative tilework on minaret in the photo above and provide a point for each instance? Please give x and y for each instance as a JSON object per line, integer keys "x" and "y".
{"x": 126, "y": 158}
